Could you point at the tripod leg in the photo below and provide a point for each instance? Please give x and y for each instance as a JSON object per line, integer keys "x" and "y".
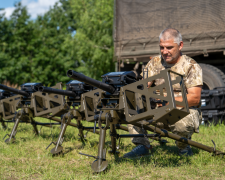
{"x": 3, "y": 123}
{"x": 58, "y": 148}
{"x": 13, "y": 133}
{"x": 81, "y": 131}
{"x": 100, "y": 164}
{"x": 34, "y": 126}
{"x": 113, "y": 139}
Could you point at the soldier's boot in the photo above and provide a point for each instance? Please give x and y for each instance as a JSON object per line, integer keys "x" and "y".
{"x": 140, "y": 150}
{"x": 186, "y": 151}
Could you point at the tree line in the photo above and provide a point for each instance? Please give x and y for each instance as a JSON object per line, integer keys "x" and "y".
{"x": 74, "y": 34}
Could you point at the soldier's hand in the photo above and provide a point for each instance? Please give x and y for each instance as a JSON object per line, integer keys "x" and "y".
{"x": 149, "y": 84}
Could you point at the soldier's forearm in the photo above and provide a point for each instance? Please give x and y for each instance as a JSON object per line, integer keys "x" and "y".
{"x": 193, "y": 100}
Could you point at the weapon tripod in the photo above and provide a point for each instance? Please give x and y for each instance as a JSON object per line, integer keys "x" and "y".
{"x": 32, "y": 104}
{"x": 25, "y": 115}
{"x": 79, "y": 115}
{"x": 126, "y": 101}
{"x": 65, "y": 121}
{"x": 2, "y": 122}
{"x": 100, "y": 164}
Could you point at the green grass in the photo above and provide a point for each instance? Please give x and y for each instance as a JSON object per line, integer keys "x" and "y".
{"x": 28, "y": 159}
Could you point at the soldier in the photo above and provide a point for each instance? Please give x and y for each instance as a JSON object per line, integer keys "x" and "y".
{"x": 170, "y": 43}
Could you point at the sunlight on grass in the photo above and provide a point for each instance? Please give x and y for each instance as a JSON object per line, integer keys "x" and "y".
{"x": 27, "y": 158}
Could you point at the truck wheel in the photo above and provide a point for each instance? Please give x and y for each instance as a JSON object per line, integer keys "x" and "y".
{"x": 212, "y": 76}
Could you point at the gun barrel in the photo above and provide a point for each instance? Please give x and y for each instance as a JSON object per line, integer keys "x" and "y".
{"x": 80, "y": 77}
{"x": 16, "y": 91}
{"x": 57, "y": 91}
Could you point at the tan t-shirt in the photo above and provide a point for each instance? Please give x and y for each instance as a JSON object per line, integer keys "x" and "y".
{"x": 185, "y": 66}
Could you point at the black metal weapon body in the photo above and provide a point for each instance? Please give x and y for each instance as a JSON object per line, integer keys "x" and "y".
{"x": 109, "y": 100}
{"x": 75, "y": 110}
{"x": 26, "y": 105}
{"x": 74, "y": 90}
{"x": 124, "y": 100}
{"x": 3, "y": 95}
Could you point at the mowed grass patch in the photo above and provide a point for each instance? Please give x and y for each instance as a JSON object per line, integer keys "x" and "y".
{"x": 27, "y": 158}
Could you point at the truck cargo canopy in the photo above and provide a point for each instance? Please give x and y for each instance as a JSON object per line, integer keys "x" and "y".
{"x": 138, "y": 23}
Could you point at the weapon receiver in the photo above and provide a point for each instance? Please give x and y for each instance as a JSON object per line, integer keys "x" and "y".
{"x": 16, "y": 91}
{"x": 5, "y": 94}
{"x": 57, "y": 91}
{"x": 73, "y": 91}
{"x": 80, "y": 77}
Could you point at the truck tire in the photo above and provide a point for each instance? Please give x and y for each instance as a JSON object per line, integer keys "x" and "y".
{"x": 212, "y": 77}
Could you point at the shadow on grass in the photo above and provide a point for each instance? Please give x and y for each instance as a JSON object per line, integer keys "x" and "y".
{"x": 69, "y": 149}
{"x": 67, "y": 136}
{"x": 155, "y": 161}
{"x": 161, "y": 156}
{"x": 173, "y": 149}
{"x": 79, "y": 146}
{"x": 168, "y": 161}
{"x": 48, "y": 136}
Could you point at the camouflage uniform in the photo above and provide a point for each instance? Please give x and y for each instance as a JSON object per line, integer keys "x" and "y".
{"x": 193, "y": 77}
{"x": 138, "y": 140}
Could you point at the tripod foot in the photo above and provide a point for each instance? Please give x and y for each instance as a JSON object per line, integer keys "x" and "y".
{"x": 98, "y": 169}
{"x": 58, "y": 151}
{"x": 8, "y": 141}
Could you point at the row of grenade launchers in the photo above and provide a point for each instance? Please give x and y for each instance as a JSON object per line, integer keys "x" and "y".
{"x": 121, "y": 98}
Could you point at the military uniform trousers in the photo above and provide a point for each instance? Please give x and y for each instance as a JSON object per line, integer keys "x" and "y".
{"x": 184, "y": 127}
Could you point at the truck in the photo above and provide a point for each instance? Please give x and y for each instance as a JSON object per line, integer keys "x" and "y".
{"x": 138, "y": 23}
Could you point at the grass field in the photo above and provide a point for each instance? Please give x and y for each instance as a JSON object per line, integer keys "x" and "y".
{"x": 28, "y": 159}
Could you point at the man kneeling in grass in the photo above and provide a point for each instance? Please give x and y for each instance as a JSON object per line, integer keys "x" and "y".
{"x": 170, "y": 43}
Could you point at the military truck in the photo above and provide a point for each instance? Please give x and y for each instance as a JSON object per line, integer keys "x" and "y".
{"x": 138, "y": 23}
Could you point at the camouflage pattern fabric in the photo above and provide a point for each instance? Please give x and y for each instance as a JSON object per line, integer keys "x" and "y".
{"x": 138, "y": 140}
{"x": 193, "y": 77}
{"x": 186, "y": 66}
{"x": 187, "y": 126}
{"x": 136, "y": 130}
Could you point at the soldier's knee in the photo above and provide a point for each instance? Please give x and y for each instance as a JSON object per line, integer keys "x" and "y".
{"x": 180, "y": 127}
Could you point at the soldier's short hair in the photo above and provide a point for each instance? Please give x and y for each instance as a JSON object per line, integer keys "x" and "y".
{"x": 171, "y": 33}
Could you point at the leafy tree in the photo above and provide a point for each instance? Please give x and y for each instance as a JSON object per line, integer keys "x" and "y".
{"x": 42, "y": 50}
{"x": 17, "y": 48}
{"x": 37, "y": 50}
{"x": 93, "y": 39}
{"x": 55, "y": 55}
{"x": 5, "y": 34}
